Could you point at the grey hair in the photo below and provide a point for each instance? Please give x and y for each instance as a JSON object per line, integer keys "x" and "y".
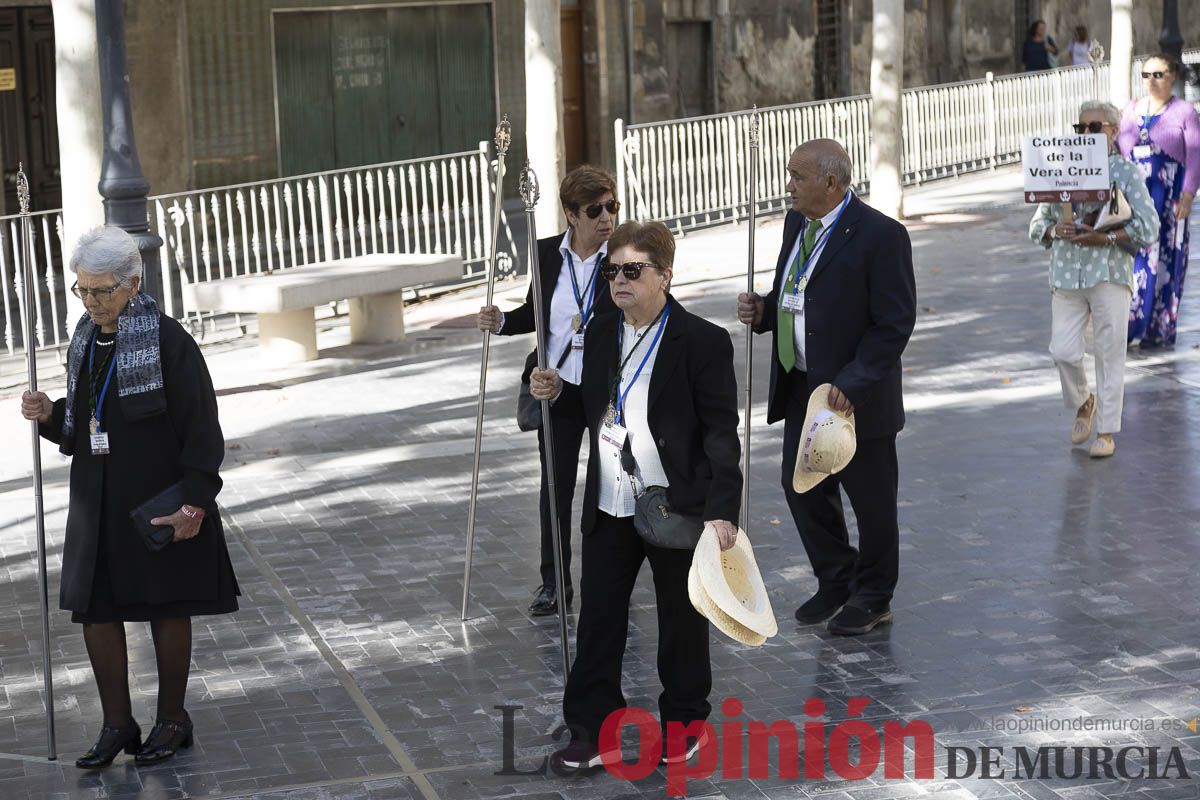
{"x": 834, "y": 164}
{"x": 1111, "y": 114}
{"x": 107, "y": 250}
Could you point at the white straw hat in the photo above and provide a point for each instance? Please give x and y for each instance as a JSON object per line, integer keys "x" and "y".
{"x": 827, "y": 442}
{"x": 727, "y": 588}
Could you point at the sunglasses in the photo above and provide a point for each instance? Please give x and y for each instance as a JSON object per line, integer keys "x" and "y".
{"x": 631, "y": 269}
{"x": 1088, "y": 127}
{"x": 99, "y": 294}
{"x": 593, "y": 211}
{"x": 1158, "y": 76}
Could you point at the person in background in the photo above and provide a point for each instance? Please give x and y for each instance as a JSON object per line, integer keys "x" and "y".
{"x": 1161, "y": 134}
{"x": 1039, "y": 47}
{"x": 1091, "y": 279}
{"x": 572, "y": 295}
{"x": 1080, "y": 47}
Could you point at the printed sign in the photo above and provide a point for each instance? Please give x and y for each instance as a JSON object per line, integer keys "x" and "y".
{"x": 1065, "y": 169}
{"x": 8, "y": 79}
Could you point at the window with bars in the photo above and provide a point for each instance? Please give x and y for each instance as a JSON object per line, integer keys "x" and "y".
{"x": 827, "y": 52}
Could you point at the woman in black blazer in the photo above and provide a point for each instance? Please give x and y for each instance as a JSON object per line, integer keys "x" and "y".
{"x": 657, "y": 382}
{"x": 572, "y": 296}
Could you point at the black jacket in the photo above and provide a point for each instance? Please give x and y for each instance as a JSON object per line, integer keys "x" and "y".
{"x": 520, "y": 320}
{"x": 692, "y": 410}
{"x": 860, "y": 306}
{"x": 182, "y": 443}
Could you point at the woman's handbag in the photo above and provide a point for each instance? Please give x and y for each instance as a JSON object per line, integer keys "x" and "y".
{"x": 661, "y": 525}
{"x": 529, "y": 409}
{"x": 1116, "y": 213}
{"x": 163, "y": 504}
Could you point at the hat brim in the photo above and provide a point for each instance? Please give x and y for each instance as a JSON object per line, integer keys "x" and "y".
{"x": 732, "y": 581}
{"x": 802, "y": 479}
{"x": 720, "y": 620}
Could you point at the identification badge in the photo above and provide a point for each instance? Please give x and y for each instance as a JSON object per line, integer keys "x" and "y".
{"x": 793, "y": 303}
{"x": 613, "y": 435}
{"x": 577, "y": 323}
{"x": 577, "y": 342}
{"x": 99, "y": 443}
{"x": 1142, "y": 151}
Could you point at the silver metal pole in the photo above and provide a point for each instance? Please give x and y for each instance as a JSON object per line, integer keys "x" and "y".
{"x": 529, "y": 193}
{"x": 750, "y": 328}
{"x": 503, "y": 140}
{"x": 28, "y": 286}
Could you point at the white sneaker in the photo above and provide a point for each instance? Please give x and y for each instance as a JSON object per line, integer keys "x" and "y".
{"x": 691, "y": 751}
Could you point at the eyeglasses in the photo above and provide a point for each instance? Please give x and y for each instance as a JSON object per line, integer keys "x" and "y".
{"x": 593, "y": 211}
{"x": 1158, "y": 76}
{"x": 631, "y": 269}
{"x": 98, "y": 294}
{"x": 1088, "y": 127}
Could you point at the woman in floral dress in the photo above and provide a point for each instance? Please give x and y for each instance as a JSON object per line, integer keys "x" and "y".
{"x": 1161, "y": 134}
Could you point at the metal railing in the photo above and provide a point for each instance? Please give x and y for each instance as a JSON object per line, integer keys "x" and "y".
{"x": 691, "y": 173}
{"x": 437, "y": 205}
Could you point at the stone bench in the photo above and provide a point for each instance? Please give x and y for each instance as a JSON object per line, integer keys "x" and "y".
{"x": 285, "y": 300}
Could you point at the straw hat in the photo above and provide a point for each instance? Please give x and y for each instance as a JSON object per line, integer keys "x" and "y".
{"x": 827, "y": 442}
{"x": 726, "y": 587}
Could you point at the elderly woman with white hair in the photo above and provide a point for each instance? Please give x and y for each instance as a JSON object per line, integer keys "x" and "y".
{"x": 1091, "y": 280}
{"x": 140, "y": 422}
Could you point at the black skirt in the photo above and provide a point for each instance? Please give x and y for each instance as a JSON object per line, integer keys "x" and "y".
{"x": 103, "y": 608}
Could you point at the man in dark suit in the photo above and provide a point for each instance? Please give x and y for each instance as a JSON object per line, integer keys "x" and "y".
{"x": 842, "y": 307}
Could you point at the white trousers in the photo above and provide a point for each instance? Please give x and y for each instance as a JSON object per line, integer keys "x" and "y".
{"x": 1106, "y": 305}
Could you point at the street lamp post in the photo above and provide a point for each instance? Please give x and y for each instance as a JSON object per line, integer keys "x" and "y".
{"x": 123, "y": 185}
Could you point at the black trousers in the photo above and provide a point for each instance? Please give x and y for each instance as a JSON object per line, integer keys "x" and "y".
{"x": 612, "y": 556}
{"x": 870, "y": 479}
{"x": 568, "y": 439}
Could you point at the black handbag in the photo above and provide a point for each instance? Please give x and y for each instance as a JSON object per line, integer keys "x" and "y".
{"x": 653, "y": 518}
{"x": 163, "y": 504}
{"x": 529, "y": 409}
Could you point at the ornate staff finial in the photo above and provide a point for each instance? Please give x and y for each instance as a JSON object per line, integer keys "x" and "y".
{"x": 528, "y": 186}
{"x": 22, "y": 189}
{"x": 754, "y": 127}
{"x": 503, "y": 136}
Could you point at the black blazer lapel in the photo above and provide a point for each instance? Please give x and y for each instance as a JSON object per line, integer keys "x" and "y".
{"x": 838, "y": 237}
{"x": 670, "y": 353}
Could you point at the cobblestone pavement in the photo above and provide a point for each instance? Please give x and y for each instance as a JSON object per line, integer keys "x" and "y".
{"x": 1037, "y": 586}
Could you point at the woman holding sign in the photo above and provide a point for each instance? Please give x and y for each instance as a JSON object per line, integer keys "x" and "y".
{"x": 1161, "y": 134}
{"x": 1091, "y": 279}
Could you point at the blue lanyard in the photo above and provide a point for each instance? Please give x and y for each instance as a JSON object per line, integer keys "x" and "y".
{"x": 821, "y": 237}
{"x": 107, "y": 380}
{"x": 653, "y": 343}
{"x": 589, "y": 291}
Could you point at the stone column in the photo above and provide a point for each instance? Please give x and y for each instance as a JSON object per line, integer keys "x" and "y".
{"x": 887, "y": 81}
{"x": 544, "y": 108}
{"x": 80, "y": 121}
{"x": 1121, "y": 52}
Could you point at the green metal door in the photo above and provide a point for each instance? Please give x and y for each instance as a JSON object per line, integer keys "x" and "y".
{"x": 362, "y": 86}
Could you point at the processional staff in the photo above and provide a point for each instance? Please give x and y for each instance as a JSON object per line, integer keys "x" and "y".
{"x": 753, "y": 192}
{"x": 503, "y": 140}
{"x": 28, "y": 292}
{"x": 529, "y": 194}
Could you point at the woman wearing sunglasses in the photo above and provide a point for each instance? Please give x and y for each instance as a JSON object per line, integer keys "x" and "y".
{"x": 1161, "y": 134}
{"x": 572, "y": 295}
{"x": 1091, "y": 280}
{"x": 659, "y": 398}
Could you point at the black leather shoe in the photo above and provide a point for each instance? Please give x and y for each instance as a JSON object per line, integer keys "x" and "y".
{"x": 853, "y": 620}
{"x": 822, "y": 605}
{"x": 546, "y": 601}
{"x": 109, "y": 743}
{"x": 165, "y": 738}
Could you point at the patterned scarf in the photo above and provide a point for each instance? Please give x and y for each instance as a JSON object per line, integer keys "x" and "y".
{"x": 139, "y": 364}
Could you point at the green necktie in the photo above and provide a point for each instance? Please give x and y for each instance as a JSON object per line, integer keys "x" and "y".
{"x": 787, "y": 321}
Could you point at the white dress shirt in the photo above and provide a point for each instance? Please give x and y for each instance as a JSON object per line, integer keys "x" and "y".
{"x": 563, "y": 307}
{"x": 616, "y": 494}
{"x": 823, "y": 235}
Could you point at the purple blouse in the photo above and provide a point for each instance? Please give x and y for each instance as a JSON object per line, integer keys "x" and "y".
{"x": 1177, "y": 133}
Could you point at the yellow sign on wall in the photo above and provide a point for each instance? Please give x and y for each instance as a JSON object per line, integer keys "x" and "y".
{"x": 8, "y": 79}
